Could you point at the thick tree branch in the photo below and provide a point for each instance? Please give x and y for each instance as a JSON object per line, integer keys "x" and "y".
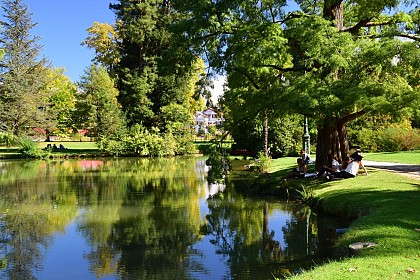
{"x": 352, "y": 116}
{"x": 363, "y": 23}
{"x": 290, "y": 17}
{"x": 403, "y": 35}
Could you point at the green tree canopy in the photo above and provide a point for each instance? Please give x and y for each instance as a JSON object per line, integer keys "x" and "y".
{"x": 22, "y": 75}
{"x": 98, "y": 104}
{"x": 61, "y": 92}
{"x": 332, "y": 60}
{"x": 155, "y": 68}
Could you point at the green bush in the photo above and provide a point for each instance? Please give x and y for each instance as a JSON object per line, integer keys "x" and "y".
{"x": 112, "y": 147}
{"x": 28, "y": 148}
{"x": 8, "y": 139}
{"x": 144, "y": 142}
{"x": 379, "y": 135}
{"x": 261, "y": 164}
{"x": 394, "y": 139}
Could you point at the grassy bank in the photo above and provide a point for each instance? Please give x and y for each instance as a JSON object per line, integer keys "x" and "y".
{"x": 73, "y": 149}
{"x": 386, "y": 210}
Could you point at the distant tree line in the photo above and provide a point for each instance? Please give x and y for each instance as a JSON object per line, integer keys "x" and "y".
{"x": 350, "y": 67}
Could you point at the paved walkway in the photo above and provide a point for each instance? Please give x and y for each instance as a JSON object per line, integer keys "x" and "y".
{"x": 411, "y": 170}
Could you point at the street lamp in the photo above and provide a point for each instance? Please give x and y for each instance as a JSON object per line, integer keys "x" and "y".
{"x": 306, "y": 138}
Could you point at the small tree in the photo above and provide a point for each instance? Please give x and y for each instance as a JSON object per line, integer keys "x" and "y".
{"x": 61, "y": 92}
{"x": 98, "y": 104}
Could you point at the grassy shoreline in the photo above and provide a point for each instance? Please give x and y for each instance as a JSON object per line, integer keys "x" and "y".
{"x": 385, "y": 208}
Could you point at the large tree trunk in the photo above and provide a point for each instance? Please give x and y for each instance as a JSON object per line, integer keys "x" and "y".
{"x": 332, "y": 138}
{"x": 332, "y": 133}
{"x": 333, "y": 10}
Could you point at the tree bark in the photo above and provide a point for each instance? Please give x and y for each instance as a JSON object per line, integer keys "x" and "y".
{"x": 265, "y": 134}
{"x": 332, "y": 138}
{"x": 333, "y": 10}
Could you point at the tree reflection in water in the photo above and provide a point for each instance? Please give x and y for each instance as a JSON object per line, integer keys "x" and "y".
{"x": 241, "y": 231}
{"x": 142, "y": 219}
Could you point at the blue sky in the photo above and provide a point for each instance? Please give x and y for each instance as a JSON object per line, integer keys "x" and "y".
{"x": 62, "y": 24}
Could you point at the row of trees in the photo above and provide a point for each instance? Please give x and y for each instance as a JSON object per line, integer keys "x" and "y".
{"x": 34, "y": 97}
{"x": 332, "y": 61}
{"x": 138, "y": 87}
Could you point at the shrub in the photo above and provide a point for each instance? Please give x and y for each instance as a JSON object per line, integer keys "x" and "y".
{"x": 112, "y": 147}
{"x": 29, "y": 149}
{"x": 262, "y": 163}
{"x": 379, "y": 135}
{"x": 8, "y": 139}
{"x": 394, "y": 139}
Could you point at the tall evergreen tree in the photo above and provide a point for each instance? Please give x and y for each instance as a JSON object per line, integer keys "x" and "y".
{"x": 22, "y": 99}
{"x": 154, "y": 70}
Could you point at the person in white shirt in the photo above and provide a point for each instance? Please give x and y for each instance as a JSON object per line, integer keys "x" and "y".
{"x": 332, "y": 167}
{"x": 352, "y": 168}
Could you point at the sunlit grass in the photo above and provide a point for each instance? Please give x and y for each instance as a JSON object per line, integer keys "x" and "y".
{"x": 385, "y": 208}
{"x": 412, "y": 157}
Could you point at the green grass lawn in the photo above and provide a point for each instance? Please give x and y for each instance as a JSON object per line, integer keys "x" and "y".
{"x": 72, "y": 149}
{"x": 385, "y": 208}
{"x": 387, "y": 205}
{"x": 412, "y": 157}
{"x": 76, "y": 145}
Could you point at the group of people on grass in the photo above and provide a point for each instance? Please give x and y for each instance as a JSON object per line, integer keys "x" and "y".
{"x": 348, "y": 168}
{"x": 54, "y": 147}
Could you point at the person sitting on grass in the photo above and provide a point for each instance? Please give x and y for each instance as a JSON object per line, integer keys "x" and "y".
{"x": 298, "y": 172}
{"x": 333, "y": 166}
{"x": 305, "y": 157}
{"x": 352, "y": 169}
{"x": 345, "y": 163}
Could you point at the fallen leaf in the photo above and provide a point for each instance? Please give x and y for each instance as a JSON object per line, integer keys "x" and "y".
{"x": 353, "y": 269}
{"x": 411, "y": 270}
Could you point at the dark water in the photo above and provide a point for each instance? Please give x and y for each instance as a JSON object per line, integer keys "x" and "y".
{"x": 143, "y": 219}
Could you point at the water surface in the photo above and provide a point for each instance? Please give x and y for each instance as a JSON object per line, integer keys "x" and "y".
{"x": 137, "y": 218}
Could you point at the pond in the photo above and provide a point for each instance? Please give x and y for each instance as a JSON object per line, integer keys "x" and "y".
{"x": 138, "y": 218}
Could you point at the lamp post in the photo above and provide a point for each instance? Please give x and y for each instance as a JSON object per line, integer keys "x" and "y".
{"x": 306, "y": 138}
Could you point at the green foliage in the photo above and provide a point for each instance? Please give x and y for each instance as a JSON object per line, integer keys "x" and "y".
{"x": 8, "y": 139}
{"x": 218, "y": 162}
{"x": 144, "y": 142}
{"x": 261, "y": 164}
{"x": 383, "y": 135}
{"x": 103, "y": 38}
{"x": 111, "y": 147}
{"x": 22, "y": 100}
{"x": 154, "y": 67}
{"x": 61, "y": 97}
{"x": 29, "y": 149}
{"x": 394, "y": 139}
{"x": 311, "y": 62}
{"x": 99, "y": 108}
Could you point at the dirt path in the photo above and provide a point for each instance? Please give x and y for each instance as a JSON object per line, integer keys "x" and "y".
{"x": 411, "y": 170}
